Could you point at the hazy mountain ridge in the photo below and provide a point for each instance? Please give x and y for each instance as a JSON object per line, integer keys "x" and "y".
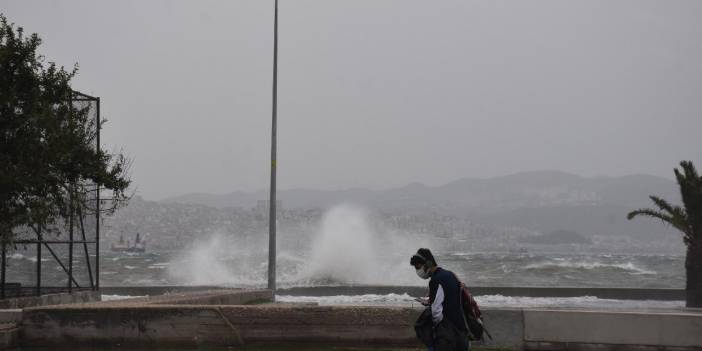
{"x": 492, "y": 214}
{"x": 469, "y": 195}
{"x": 542, "y": 201}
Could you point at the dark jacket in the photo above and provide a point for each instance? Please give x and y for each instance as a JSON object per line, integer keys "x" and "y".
{"x": 444, "y": 286}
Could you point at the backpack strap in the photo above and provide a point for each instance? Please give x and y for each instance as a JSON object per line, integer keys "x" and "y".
{"x": 461, "y": 286}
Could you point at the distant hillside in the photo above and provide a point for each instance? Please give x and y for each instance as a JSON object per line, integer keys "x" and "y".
{"x": 484, "y": 196}
{"x": 543, "y": 201}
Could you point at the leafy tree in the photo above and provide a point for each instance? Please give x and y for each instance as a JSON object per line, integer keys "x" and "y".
{"x": 48, "y": 160}
{"x": 688, "y": 220}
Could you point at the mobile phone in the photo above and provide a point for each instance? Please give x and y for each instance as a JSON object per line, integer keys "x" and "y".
{"x": 424, "y": 302}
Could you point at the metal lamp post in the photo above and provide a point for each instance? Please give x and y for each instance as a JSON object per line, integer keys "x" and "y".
{"x": 271, "y": 204}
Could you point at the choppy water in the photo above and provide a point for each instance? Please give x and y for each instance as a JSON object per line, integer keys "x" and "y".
{"x": 477, "y": 269}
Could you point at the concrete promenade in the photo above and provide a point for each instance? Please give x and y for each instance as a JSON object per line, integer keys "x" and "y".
{"x": 239, "y": 317}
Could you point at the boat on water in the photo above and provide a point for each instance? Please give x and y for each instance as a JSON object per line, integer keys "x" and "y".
{"x": 126, "y": 246}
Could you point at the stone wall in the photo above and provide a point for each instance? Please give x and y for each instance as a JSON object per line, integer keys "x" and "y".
{"x": 215, "y": 318}
{"x": 594, "y": 329}
{"x": 169, "y": 325}
{"x": 50, "y": 299}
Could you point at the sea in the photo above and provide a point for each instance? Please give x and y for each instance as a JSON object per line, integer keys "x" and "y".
{"x": 247, "y": 269}
{"x": 478, "y": 269}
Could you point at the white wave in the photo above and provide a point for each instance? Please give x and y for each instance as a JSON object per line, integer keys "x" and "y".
{"x": 343, "y": 252}
{"x": 580, "y": 301}
{"x": 486, "y": 301}
{"x": 144, "y": 282}
{"x": 129, "y": 267}
{"x": 343, "y": 249}
{"x": 348, "y": 249}
{"x": 19, "y": 256}
{"x": 214, "y": 261}
{"x": 356, "y": 300}
{"x": 562, "y": 263}
{"x": 116, "y": 297}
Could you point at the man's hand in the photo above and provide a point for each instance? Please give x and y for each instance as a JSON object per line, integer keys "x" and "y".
{"x": 423, "y": 300}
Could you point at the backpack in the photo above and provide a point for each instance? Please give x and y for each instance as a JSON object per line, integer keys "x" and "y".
{"x": 472, "y": 314}
{"x": 474, "y": 319}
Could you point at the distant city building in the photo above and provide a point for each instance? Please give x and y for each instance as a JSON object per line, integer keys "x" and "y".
{"x": 263, "y": 206}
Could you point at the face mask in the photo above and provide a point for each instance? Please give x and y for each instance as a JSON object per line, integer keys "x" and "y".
{"x": 422, "y": 273}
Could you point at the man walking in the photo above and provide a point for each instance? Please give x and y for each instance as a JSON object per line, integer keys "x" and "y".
{"x": 450, "y": 332}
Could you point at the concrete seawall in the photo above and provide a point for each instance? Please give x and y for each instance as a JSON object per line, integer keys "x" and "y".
{"x": 11, "y": 311}
{"x": 50, "y": 299}
{"x": 217, "y": 318}
{"x": 218, "y": 326}
{"x": 605, "y": 330}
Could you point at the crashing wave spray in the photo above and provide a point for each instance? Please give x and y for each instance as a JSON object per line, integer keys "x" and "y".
{"x": 343, "y": 250}
{"x": 213, "y": 262}
{"x": 348, "y": 249}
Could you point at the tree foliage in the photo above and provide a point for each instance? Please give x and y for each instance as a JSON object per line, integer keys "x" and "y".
{"x": 687, "y": 218}
{"x": 49, "y": 163}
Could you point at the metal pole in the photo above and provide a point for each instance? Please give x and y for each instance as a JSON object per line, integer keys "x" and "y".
{"x": 97, "y": 207}
{"x": 58, "y": 260}
{"x": 85, "y": 248}
{"x": 39, "y": 261}
{"x": 70, "y": 209}
{"x": 271, "y": 205}
{"x": 70, "y": 238}
{"x": 4, "y": 268}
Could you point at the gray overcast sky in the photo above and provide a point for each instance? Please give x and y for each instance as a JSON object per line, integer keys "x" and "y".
{"x": 380, "y": 93}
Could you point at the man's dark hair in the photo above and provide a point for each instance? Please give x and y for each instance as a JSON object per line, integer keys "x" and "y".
{"x": 422, "y": 257}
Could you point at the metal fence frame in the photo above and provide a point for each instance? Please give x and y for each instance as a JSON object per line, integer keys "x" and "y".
{"x": 13, "y": 289}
